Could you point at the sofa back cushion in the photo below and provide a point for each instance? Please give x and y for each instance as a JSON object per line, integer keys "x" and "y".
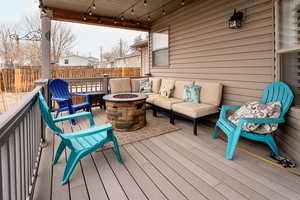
{"x": 119, "y": 85}
{"x": 155, "y": 84}
{"x": 210, "y": 93}
{"x": 179, "y": 88}
{"x": 135, "y": 83}
{"x": 167, "y": 83}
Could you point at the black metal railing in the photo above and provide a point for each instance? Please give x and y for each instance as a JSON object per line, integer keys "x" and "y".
{"x": 21, "y": 137}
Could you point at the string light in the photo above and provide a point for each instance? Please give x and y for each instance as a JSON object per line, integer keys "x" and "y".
{"x": 94, "y": 6}
{"x": 182, "y": 2}
{"x": 84, "y": 18}
{"x": 145, "y": 3}
{"x": 90, "y": 13}
{"x": 164, "y": 11}
{"x": 122, "y": 18}
{"x": 132, "y": 11}
{"x": 149, "y": 18}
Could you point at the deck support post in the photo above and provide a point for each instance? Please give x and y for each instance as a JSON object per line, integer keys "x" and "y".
{"x": 45, "y": 46}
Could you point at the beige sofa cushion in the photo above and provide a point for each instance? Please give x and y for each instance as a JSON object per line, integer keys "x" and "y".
{"x": 135, "y": 84}
{"x": 151, "y": 97}
{"x": 210, "y": 93}
{"x": 155, "y": 84}
{"x": 165, "y": 102}
{"x": 194, "y": 110}
{"x": 179, "y": 88}
{"x": 119, "y": 85}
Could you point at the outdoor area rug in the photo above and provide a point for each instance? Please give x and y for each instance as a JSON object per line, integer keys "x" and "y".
{"x": 155, "y": 126}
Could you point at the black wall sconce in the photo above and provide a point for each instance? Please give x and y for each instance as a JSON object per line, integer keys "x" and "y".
{"x": 235, "y": 21}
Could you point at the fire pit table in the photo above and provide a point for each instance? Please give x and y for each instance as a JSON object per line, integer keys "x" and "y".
{"x": 126, "y": 111}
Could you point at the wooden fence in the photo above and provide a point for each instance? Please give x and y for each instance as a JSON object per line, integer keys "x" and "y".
{"x": 22, "y": 79}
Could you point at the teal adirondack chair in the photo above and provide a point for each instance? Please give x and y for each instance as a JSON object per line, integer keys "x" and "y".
{"x": 277, "y": 91}
{"x": 80, "y": 143}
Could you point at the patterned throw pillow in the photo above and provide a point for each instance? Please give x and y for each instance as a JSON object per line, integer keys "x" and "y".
{"x": 257, "y": 110}
{"x": 145, "y": 86}
{"x": 191, "y": 93}
{"x": 166, "y": 90}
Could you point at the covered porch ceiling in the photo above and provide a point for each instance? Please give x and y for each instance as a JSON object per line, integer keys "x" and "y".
{"x": 129, "y": 14}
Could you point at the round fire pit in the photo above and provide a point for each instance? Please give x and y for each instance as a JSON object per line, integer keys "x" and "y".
{"x": 126, "y": 111}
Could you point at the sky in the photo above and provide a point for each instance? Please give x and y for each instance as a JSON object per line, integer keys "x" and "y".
{"x": 88, "y": 38}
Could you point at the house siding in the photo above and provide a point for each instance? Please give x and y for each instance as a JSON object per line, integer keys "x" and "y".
{"x": 202, "y": 47}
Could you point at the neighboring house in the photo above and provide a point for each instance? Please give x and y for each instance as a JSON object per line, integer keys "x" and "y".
{"x": 142, "y": 46}
{"x": 139, "y": 59}
{"x": 133, "y": 60}
{"x": 75, "y": 60}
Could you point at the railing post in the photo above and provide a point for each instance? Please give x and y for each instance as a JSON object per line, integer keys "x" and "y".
{"x": 44, "y": 84}
{"x": 105, "y": 83}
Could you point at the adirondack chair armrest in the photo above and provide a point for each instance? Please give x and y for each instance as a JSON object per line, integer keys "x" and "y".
{"x": 263, "y": 120}
{"x": 77, "y": 115}
{"x": 58, "y": 99}
{"x": 225, "y": 108}
{"x": 81, "y": 95}
{"x": 105, "y": 127}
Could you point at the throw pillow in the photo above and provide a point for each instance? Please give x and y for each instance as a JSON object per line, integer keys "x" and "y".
{"x": 191, "y": 93}
{"x": 166, "y": 90}
{"x": 257, "y": 110}
{"x": 145, "y": 86}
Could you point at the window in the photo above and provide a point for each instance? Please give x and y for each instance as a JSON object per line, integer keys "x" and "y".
{"x": 66, "y": 61}
{"x": 160, "y": 49}
{"x": 288, "y": 44}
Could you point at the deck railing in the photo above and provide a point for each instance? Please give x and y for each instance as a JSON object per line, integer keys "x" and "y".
{"x": 21, "y": 137}
{"x": 89, "y": 85}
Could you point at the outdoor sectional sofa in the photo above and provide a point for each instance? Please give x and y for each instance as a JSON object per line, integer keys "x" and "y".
{"x": 210, "y": 97}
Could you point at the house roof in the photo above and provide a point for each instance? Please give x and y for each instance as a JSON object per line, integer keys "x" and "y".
{"x": 140, "y": 44}
{"x": 113, "y": 13}
{"x": 83, "y": 57}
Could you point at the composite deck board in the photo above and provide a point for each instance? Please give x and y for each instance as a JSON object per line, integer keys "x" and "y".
{"x": 277, "y": 191}
{"x": 129, "y": 185}
{"x": 236, "y": 180}
{"x": 77, "y": 183}
{"x": 172, "y": 166}
{"x": 263, "y": 169}
{"x": 59, "y": 191}
{"x": 208, "y": 191}
{"x": 160, "y": 180}
{"x": 141, "y": 178}
{"x": 179, "y": 182}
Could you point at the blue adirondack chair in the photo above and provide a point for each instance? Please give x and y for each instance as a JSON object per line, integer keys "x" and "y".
{"x": 80, "y": 143}
{"x": 60, "y": 93}
{"x": 277, "y": 91}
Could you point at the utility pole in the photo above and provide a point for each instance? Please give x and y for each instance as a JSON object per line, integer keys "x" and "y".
{"x": 121, "y": 48}
{"x": 100, "y": 57}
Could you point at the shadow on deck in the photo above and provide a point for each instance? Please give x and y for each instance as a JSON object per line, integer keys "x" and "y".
{"x": 173, "y": 166}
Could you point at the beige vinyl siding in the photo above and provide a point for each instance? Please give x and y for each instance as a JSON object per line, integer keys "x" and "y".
{"x": 203, "y": 48}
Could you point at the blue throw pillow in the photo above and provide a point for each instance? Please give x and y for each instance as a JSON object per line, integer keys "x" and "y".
{"x": 191, "y": 93}
{"x": 145, "y": 86}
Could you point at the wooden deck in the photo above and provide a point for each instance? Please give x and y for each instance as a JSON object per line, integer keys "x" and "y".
{"x": 174, "y": 166}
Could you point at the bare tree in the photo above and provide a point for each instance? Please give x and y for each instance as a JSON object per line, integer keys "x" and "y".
{"x": 62, "y": 37}
{"x": 121, "y": 49}
{"x": 7, "y": 45}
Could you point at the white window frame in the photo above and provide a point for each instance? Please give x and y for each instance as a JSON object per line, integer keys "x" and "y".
{"x": 280, "y": 51}
{"x": 168, "y": 48}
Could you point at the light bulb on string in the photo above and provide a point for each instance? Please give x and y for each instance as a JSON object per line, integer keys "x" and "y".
{"x": 132, "y": 11}
{"x": 182, "y": 2}
{"x": 90, "y": 13}
{"x": 149, "y": 18}
{"x": 164, "y": 11}
{"x": 84, "y": 18}
{"x": 94, "y": 6}
{"x": 122, "y": 18}
{"x": 145, "y": 3}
